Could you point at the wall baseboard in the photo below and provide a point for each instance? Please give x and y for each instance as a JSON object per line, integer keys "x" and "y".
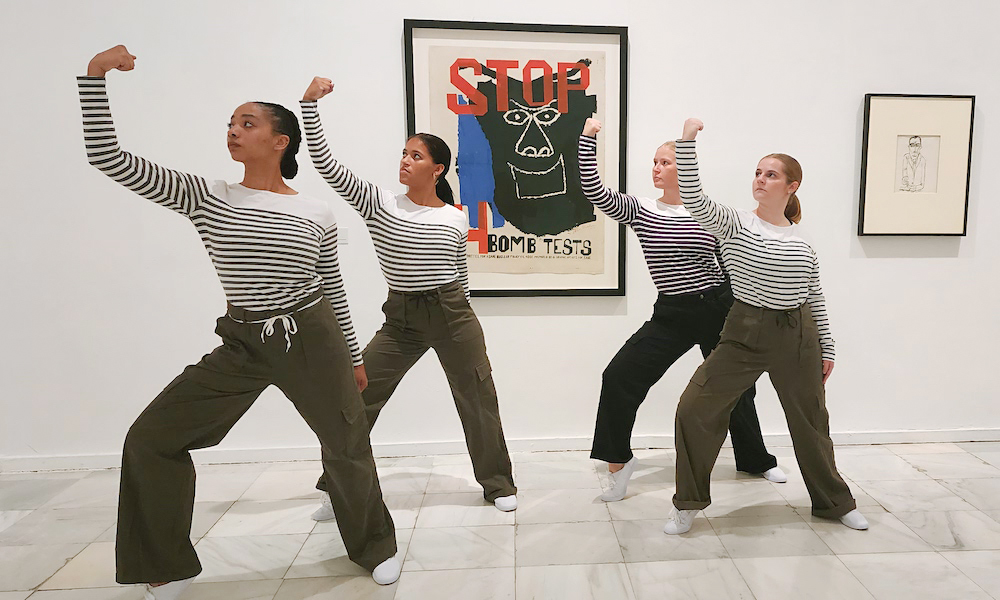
{"x": 11, "y": 464}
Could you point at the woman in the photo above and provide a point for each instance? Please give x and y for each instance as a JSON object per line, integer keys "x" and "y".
{"x": 289, "y": 244}
{"x": 420, "y": 242}
{"x": 694, "y": 298}
{"x": 778, "y": 324}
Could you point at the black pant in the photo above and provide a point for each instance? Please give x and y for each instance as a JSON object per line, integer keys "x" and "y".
{"x": 678, "y": 324}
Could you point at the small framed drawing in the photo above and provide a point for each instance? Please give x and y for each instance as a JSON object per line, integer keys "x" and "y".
{"x": 915, "y": 159}
{"x": 511, "y": 100}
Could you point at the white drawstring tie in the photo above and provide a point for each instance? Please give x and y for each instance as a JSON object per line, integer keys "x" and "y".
{"x": 287, "y": 321}
{"x": 291, "y": 328}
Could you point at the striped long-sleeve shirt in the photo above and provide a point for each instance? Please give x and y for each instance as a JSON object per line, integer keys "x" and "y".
{"x": 418, "y": 247}
{"x": 680, "y": 254}
{"x": 770, "y": 266}
{"x": 271, "y": 251}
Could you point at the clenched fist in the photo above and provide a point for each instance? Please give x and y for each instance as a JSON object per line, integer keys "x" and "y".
{"x": 319, "y": 87}
{"x": 113, "y": 58}
{"x": 691, "y": 128}
{"x": 592, "y": 127}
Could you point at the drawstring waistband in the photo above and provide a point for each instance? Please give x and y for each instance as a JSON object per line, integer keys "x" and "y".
{"x": 791, "y": 318}
{"x": 287, "y": 322}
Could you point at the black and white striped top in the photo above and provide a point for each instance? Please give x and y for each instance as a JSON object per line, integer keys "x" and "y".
{"x": 680, "y": 255}
{"x": 770, "y": 266}
{"x": 271, "y": 251}
{"x": 420, "y": 248}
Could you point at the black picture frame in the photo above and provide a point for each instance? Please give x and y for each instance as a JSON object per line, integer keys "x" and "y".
{"x": 533, "y": 283}
{"x": 916, "y": 165}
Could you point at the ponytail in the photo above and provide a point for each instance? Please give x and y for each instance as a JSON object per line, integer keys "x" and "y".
{"x": 793, "y": 172}
{"x": 284, "y": 122}
{"x": 443, "y": 190}
{"x": 793, "y": 210}
{"x": 441, "y": 155}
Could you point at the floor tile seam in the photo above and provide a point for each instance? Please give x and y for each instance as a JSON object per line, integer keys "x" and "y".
{"x": 855, "y": 575}
{"x": 959, "y": 569}
{"x": 621, "y": 550}
{"x": 294, "y": 558}
{"x": 741, "y": 574}
{"x": 56, "y": 572}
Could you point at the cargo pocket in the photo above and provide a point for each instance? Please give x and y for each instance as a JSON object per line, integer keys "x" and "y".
{"x": 353, "y": 441}
{"x": 700, "y": 377}
{"x": 648, "y": 334}
{"x": 484, "y": 386}
{"x": 484, "y": 370}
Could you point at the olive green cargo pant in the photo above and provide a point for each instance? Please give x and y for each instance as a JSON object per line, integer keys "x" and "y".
{"x": 313, "y": 368}
{"x": 443, "y": 320}
{"x": 754, "y": 340}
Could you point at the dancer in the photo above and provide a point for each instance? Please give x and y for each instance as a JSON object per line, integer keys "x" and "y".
{"x": 275, "y": 252}
{"x": 694, "y": 298}
{"x": 420, "y": 242}
{"x": 778, "y": 324}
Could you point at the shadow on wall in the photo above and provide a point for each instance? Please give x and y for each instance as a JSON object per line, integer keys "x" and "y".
{"x": 906, "y": 247}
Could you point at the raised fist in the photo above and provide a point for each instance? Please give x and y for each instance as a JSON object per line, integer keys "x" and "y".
{"x": 113, "y": 58}
{"x": 691, "y": 128}
{"x": 319, "y": 87}
{"x": 592, "y": 127}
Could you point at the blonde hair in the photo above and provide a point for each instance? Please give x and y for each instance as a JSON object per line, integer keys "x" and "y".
{"x": 671, "y": 144}
{"x": 793, "y": 172}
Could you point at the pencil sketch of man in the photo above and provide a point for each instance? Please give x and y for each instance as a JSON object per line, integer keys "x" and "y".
{"x": 913, "y": 167}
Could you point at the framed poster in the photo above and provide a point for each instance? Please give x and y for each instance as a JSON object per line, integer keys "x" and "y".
{"x": 511, "y": 100}
{"x": 916, "y": 157}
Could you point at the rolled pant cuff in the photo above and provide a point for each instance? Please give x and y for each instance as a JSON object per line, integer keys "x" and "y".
{"x": 836, "y": 512}
{"x": 509, "y": 491}
{"x": 690, "y": 504}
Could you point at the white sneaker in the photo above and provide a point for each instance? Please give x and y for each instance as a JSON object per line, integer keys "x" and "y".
{"x": 387, "y": 571}
{"x": 506, "y": 503}
{"x": 775, "y": 475}
{"x": 680, "y": 522}
{"x": 619, "y": 482}
{"x": 167, "y": 591}
{"x": 855, "y": 520}
{"x": 325, "y": 510}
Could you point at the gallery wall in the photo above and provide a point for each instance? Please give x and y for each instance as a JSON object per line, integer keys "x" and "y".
{"x": 106, "y": 297}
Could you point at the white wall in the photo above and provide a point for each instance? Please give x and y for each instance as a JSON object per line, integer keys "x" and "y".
{"x": 106, "y": 297}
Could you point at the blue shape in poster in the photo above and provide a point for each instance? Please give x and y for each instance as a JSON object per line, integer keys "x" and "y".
{"x": 475, "y": 169}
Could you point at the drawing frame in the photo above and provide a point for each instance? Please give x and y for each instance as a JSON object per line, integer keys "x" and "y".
{"x": 916, "y": 162}
{"x": 600, "y": 273}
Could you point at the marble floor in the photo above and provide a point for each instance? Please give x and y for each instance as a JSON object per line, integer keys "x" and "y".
{"x": 934, "y": 511}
